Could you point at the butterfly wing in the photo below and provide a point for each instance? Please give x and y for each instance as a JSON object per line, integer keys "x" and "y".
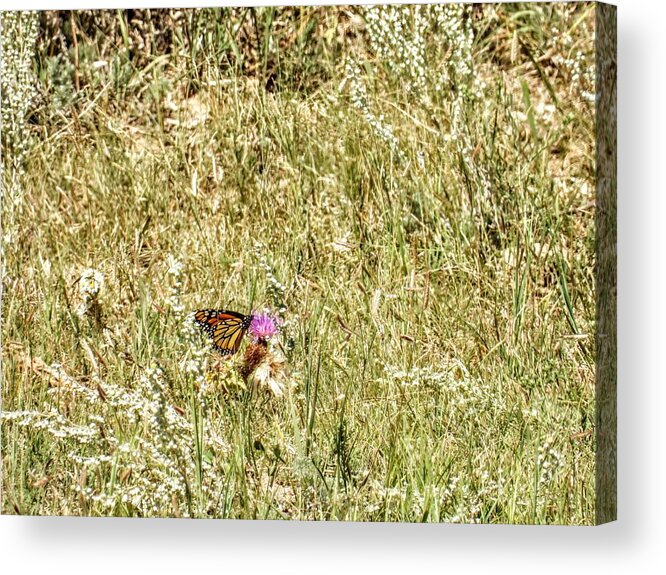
{"x": 226, "y": 328}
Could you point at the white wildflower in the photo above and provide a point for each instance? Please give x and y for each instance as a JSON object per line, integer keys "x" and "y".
{"x": 549, "y": 461}
{"x": 90, "y": 285}
{"x": 175, "y": 272}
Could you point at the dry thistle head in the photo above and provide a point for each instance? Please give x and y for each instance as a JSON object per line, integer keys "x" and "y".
{"x": 254, "y": 356}
{"x": 263, "y": 367}
{"x": 270, "y": 373}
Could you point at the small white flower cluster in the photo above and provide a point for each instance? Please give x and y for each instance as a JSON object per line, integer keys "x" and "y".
{"x": 380, "y": 496}
{"x": 458, "y": 35}
{"x": 156, "y": 470}
{"x": 195, "y": 354}
{"x": 417, "y": 376}
{"x": 53, "y": 423}
{"x": 394, "y": 498}
{"x": 549, "y": 462}
{"x": 175, "y": 273}
{"x": 462, "y": 142}
{"x": 427, "y": 50}
{"x": 152, "y": 388}
{"x": 89, "y": 462}
{"x": 193, "y": 349}
{"x": 188, "y": 329}
{"x": 464, "y": 396}
{"x": 580, "y": 68}
{"x": 18, "y": 38}
{"x": 289, "y": 331}
{"x": 582, "y": 73}
{"x": 359, "y": 98}
{"x": 470, "y": 501}
{"x": 63, "y": 383}
{"x": 397, "y": 37}
{"x": 530, "y": 414}
{"x": 420, "y": 158}
{"x": 175, "y": 267}
{"x": 458, "y": 79}
{"x": 275, "y": 289}
{"x": 90, "y": 284}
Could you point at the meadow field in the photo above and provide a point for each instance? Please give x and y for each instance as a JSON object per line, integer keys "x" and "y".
{"x": 409, "y": 191}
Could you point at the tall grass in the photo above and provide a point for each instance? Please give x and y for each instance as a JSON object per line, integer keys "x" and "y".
{"x": 419, "y": 214}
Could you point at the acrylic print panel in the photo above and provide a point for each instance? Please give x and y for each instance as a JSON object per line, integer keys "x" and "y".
{"x": 328, "y": 263}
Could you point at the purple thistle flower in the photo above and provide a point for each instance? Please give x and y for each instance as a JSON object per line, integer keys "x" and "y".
{"x": 262, "y": 326}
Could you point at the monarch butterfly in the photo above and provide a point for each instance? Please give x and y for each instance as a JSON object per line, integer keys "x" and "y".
{"x": 226, "y": 328}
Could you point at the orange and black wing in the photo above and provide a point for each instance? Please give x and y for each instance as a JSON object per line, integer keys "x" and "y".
{"x": 226, "y": 328}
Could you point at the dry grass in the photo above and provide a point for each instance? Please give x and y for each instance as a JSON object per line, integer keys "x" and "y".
{"x": 431, "y": 241}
